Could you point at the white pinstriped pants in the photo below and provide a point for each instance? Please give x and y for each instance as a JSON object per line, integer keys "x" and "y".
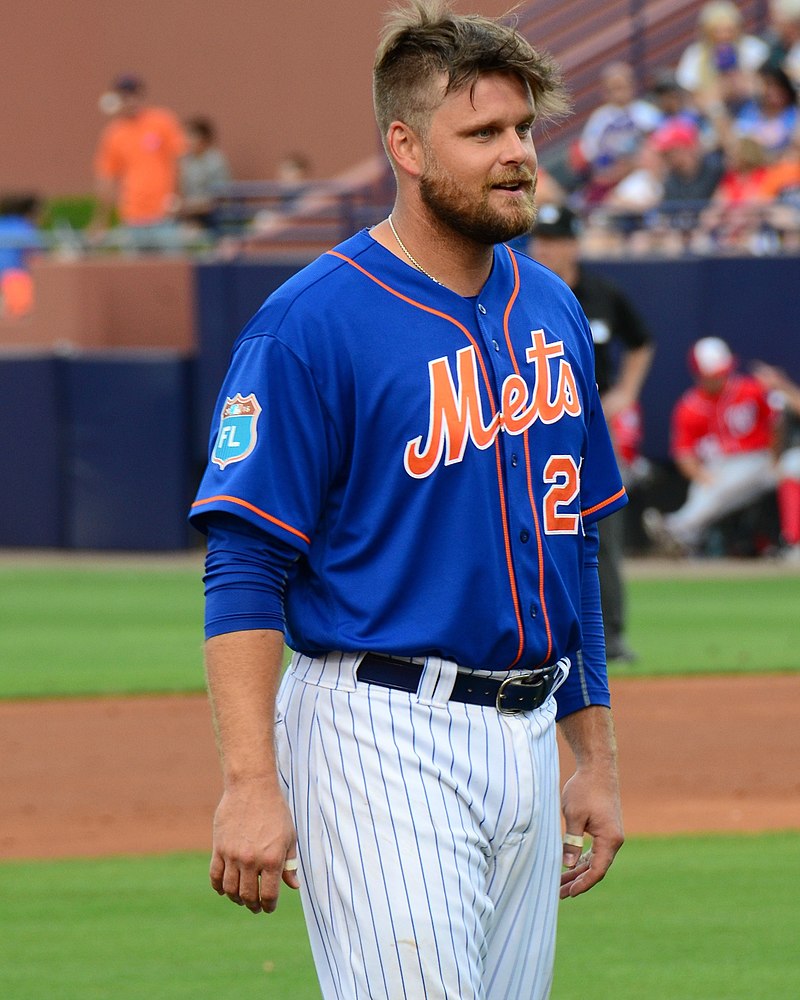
{"x": 428, "y": 836}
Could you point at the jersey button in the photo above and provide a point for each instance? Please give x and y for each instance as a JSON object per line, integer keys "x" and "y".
{"x": 495, "y": 345}
{"x": 524, "y": 535}
{"x": 481, "y": 309}
{"x": 533, "y": 610}
{"x": 514, "y": 461}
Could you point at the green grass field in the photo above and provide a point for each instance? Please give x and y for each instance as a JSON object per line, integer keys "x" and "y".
{"x": 684, "y": 918}
{"x": 89, "y": 630}
{"x": 82, "y": 630}
{"x": 678, "y": 919}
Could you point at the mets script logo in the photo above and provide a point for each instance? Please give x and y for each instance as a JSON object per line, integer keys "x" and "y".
{"x": 237, "y": 429}
{"x": 456, "y": 411}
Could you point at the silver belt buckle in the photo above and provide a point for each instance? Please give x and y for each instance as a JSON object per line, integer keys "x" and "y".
{"x": 535, "y": 677}
{"x": 504, "y": 709}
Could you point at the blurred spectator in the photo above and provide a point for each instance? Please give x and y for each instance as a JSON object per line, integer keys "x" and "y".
{"x": 670, "y": 98}
{"x": 785, "y": 396}
{"x": 677, "y": 104}
{"x": 723, "y": 431}
{"x": 19, "y": 239}
{"x": 294, "y": 168}
{"x": 203, "y": 170}
{"x": 736, "y": 216}
{"x": 616, "y": 327}
{"x": 781, "y": 188}
{"x": 692, "y": 175}
{"x": 743, "y": 178}
{"x": 614, "y": 132}
{"x": 783, "y": 37}
{"x": 771, "y": 118}
{"x": 718, "y": 67}
{"x": 642, "y": 189}
{"x": 685, "y": 177}
{"x": 136, "y": 162}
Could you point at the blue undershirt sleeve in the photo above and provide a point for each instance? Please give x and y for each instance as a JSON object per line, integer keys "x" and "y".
{"x": 245, "y": 578}
{"x": 587, "y": 683}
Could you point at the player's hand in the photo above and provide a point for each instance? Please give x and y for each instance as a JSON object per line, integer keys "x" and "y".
{"x": 254, "y": 838}
{"x": 591, "y": 805}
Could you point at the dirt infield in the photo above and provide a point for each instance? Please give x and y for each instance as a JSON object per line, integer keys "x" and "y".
{"x": 83, "y": 778}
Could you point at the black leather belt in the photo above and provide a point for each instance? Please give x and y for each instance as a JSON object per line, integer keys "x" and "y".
{"x": 515, "y": 693}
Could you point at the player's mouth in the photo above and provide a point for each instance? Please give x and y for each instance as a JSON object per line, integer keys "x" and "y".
{"x": 516, "y": 186}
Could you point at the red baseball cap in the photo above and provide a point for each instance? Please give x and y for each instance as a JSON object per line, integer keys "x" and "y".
{"x": 674, "y": 134}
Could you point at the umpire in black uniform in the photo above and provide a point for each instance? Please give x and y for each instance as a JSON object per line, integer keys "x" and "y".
{"x": 623, "y": 355}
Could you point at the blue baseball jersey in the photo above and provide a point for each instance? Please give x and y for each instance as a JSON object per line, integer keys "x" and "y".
{"x": 433, "y": 459}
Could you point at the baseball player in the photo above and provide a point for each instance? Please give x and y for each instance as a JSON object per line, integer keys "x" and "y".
{"x": 408, "y": 460}
{"x": 723, "y": 431}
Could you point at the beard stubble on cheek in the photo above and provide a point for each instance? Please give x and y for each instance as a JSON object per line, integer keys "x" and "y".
{"x": 471, "y": 215}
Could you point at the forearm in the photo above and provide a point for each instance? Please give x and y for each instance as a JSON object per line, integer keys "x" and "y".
{"x": 626, "y": 390}
{"x": 591, "y": 738}
{"x": 633, "y": 370}
{"x": 243, "y": 671}
{"x": 590, "y": 799}
{"x": 253, "y": 830}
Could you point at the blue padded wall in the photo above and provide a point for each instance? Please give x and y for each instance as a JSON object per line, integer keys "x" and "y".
{"x": 31, "y": 422}
{"x": 127, "y": 451}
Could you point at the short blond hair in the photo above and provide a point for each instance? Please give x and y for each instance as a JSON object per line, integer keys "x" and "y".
{"x": 425, "y": 40}
{"x": 718, "y": 13}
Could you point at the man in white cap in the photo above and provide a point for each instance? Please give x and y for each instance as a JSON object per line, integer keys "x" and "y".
{"x": 721, "y": 440}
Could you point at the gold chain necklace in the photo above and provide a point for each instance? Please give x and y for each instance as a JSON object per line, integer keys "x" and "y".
{"x": 405, "y": 250}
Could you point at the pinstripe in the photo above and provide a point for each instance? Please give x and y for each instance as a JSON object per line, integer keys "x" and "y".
{"x": 443, "y": 830}
{"x": 353, "y": 834}
{"x": 468, "y": 907}
{"x": 428, "y": 862}
{"x": 284, "y": 738}
{"x": 377, "y": 958}
{"x": 516, "y": 920}
{"x": 391, "y": 812}
{"x": 423, "y": 788}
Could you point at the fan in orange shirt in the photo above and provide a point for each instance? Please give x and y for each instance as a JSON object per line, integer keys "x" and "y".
{"x": 784, "y": 176}
{"x": 136, "y": 162}
{"x": 781, "y": 186}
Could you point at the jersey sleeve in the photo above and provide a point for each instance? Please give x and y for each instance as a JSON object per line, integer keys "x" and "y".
{"x": 587, "y": 682}
{"x": 273, "y": 448}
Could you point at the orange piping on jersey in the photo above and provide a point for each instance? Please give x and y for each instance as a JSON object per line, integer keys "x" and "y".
{"x": 498, "y": 456}
{"x": 255, "y": 510}
{"x": 526, "y": 446}
{"x": 434, "y": 312}
{"x": 605, "y": 503}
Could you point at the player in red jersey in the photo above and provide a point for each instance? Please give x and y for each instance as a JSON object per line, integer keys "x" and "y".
{"x": 723, "y": 430}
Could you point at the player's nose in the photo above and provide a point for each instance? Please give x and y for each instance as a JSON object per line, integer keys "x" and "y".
{"x": 518, "y": 149}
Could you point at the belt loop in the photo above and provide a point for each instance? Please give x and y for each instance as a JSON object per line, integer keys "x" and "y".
{"x": 330, "y": 670}
{"x": 436, "y": 683}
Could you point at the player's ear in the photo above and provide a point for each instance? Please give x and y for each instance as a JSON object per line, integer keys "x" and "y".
{"x": 405, "y": 148}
